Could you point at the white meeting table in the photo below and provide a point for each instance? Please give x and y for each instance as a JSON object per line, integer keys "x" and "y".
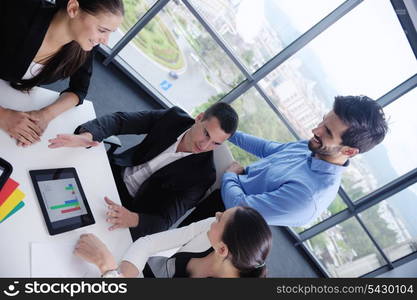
{"x": 27, "y": 225}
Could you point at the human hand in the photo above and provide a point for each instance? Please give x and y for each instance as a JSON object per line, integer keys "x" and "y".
{"x": 41, "y": 117}
{"x": 73, "y": 140}
{"x": 20, "y": 126}
{"x": 91, "y": 249}
{"x": 120, "y": 216}
{"x": 235, "y": 167}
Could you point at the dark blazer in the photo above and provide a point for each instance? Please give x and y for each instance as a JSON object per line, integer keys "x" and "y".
{"x": 23, "y": 25}
{"x": 168, "y": 193}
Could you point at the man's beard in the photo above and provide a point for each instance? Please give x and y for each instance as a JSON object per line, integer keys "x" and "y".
{"x": 323, "y": 150}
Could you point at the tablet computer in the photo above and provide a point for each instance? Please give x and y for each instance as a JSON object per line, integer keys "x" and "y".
{"x": 62, "y": 199}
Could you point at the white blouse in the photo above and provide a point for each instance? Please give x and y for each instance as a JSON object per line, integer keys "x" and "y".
{"x": 33, "y": 70}
{"x": 191, "y": 238}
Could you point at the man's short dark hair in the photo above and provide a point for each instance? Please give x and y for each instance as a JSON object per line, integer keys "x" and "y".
{"x": 226, "y": 115}
{"x": 366, "y": 121}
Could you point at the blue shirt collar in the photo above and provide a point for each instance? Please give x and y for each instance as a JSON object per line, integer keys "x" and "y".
{"x": 317, "y": 164}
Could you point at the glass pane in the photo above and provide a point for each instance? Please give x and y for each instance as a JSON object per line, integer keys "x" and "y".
{"x": 394, "y": 157}
{"x": 365, "y": 52}
{"x": 258, "y": 30}
{"x": 335, "y": 207}
{"x": 345, "y": 250}
{"x": 134, "y": 10}
{"x": 257, "y": 118}
{"x": 178, "y": 57}
{"x": 393, "y": 223}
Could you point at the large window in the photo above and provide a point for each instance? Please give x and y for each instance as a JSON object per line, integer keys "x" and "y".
{"x": 177, "y": 56}
{"x": 258, "y": 30}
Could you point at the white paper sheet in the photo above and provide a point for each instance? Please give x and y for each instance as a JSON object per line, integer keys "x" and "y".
{"x": 56, "y": 259}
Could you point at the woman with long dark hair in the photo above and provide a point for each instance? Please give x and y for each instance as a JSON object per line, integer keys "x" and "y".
{"x": 233, "y": 244}
{"x": 44, "y": 41}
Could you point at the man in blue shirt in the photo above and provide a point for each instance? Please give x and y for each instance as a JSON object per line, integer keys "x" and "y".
{"x": 293, "y": 183}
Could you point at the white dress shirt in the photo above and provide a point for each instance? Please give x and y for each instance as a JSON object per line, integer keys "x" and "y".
{"x": 135, "y": 176}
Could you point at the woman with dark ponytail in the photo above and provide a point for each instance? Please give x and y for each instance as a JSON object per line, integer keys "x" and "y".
{"x": 233, "y": 244}
{"x": 248, "y": 241}
{"x": 47, "y": 40}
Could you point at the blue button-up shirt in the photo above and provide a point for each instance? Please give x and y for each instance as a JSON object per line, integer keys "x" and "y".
{"x": 287, "y": 186}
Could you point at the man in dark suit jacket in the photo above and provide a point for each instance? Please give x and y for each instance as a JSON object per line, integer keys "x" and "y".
{"x": 168, "y": 172}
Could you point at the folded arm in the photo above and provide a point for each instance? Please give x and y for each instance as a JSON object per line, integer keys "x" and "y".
{"x": 289, "y": 205}
{"x": 72, "y": 96}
